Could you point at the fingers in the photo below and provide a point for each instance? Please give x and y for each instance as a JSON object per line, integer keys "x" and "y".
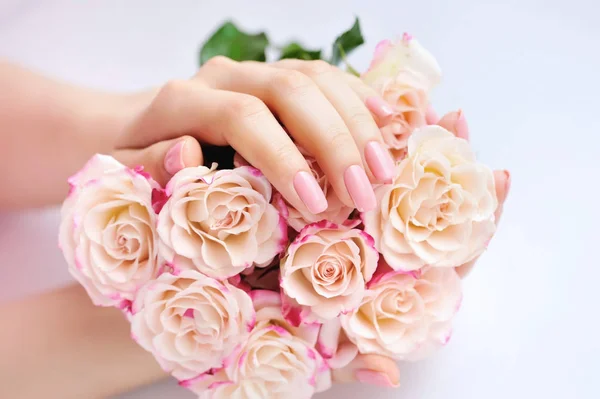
{"x": 245, "y": 123}
{"x": 456, "y": 123}
{"x": 502, "y": 182}
{"x": 354, "y": 112}
{"x": 370, "y": 369}
{"x": 163, "y": 159}
{"x": 380, "y": 109}
{"x": 309, "y": 116}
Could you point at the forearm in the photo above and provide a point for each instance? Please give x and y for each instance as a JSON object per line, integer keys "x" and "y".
{"x": 48, "y": 129}
{"x": 60, "y": 345}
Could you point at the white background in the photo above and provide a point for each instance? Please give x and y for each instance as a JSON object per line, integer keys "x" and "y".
{"x": 525, "y": 72}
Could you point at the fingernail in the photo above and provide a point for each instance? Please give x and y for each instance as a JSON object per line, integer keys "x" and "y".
{"x": 309, "y": 192}
{"x": 379, "y": 107}
{"x": 375, "y": 378}
{"x": 380, "y": 162}
{"x": 174, "y": 158}
{"x": 507, "y": 183}
{"x": 431, "y": 116}
{"x": 359, "y": 188}
{"x": 461, "y": 126}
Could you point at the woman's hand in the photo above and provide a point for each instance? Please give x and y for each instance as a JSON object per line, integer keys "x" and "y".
{"x": 240, "y": 104}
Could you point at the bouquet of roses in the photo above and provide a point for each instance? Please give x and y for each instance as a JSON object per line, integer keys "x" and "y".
{"x": 237, "y": 293}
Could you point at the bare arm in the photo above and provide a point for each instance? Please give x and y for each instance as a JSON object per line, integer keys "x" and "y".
{"x": 48, "y": 129}
{"x": 61, "y": 345}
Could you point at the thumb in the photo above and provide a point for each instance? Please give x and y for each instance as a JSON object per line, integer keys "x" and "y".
{"x": 163, "y": 159}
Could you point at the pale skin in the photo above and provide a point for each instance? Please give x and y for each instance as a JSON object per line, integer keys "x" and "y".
{"x": 58, "y": 344}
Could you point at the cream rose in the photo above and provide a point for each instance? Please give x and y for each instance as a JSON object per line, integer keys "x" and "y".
{"x": 336, "y": 211}
{"x": 403, "y": 73}
{"x": 107, "y": 232}
{"x": 277, "y": 361}
{"x": 220, "y": 222}
{"x": 326, "y": 268}
{"x": 405, "y": 315}
{"x": 191, "y": 322}
{"x": 439, "y": 210}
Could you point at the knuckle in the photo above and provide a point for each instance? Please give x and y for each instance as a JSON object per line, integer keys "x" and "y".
{"x": 317, "y": 67}
{"x": 173, "y": 88}
{"x": 246, "y": 107}
{"x": 360, "y": 118}
{"x": 218, "y": 61}
{"x": 171, "y": 95}
{"x": 340, "y": 139}
{"x": 283, "y": 154}
{"x": 291, "y": 81}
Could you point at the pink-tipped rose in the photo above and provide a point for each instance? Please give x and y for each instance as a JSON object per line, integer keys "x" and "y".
{"x": 403, "y": 73}
{"x": 190, "y": 322}
{"x": 405, "y": 316}
{"x": 107, "y": 232}
{"x": 220, "y": 222}
{"x": 326, "y": 268}
{"x": 277, "y": 361}
{"x": 439, "y": 210}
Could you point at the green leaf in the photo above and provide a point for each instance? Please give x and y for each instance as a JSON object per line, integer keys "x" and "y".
{"x": 296, "y": 51}
{"x": 231, "y": 42}
{"x": 346, "y": 43}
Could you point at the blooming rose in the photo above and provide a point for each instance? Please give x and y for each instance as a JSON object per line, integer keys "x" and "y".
{"x": 403, "y": 73}
{"x": 326, "y": 268}
{"x": 405, "y": 315}
{"x": 107, "y": 232}
{"x": 439, "y": 210}
{"x": 278, "y": 360}
{"x": 220, "y": 222}
{"x": 336, "y": 211}
{"x": 191, "y": 322}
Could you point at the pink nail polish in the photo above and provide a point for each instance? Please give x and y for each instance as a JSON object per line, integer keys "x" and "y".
{"x": 461, "y": 127}
{"x": 431, "y": 116}
{"x": 379, "y": 108}
{"x": 375, "y": 378}
{"x": 309, "y": 192}
{"x": 380, "y": 162}
{"x": 507, "y": 184}
{"x": 174, "y": 158}
{"x": 360, "y": 189}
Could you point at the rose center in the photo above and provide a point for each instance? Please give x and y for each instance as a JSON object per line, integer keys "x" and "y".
{"x": 328, "y": 270}
{"x": 226, "y": 222}
{"x": 127, "y": 245}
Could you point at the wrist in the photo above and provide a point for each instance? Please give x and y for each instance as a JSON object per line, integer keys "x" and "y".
{"x": 104, "y": 116}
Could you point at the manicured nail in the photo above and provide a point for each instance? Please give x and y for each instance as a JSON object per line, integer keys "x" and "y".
{"x": 375, "y": 378}
{"x": 431, "y": 116}
{"x": 310, "y": 192}
{"x": 174, "y": 158}
{"x": 379, "y": 107}
{"x": 507, "y": 183}
{"x": 360, "y": 189}
{"x": 461, "y": 127}
{"x": 380, "y": 162}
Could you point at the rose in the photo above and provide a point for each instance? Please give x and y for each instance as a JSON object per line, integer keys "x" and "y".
{"x": 107, "y": 232}
{"x": 277, "y": 361}
{"x": 439, "y": 210}
{"x": 326, "y": 268}
{"x": 336, "y": 211}
{"x": 220, "y": 222}
{"x": 191, "y": 322}
{"x": 403, "y": 73}
{"x": 405, "y": 315}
